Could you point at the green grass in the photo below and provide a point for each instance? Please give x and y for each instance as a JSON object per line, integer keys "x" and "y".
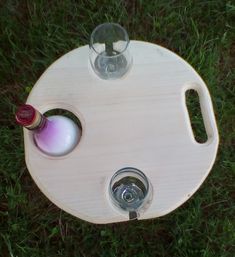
{"x": 33, "y": 34}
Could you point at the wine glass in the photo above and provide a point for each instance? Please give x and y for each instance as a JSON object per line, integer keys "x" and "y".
{"x": 109, "y": 51}
{"x": 130, "y": 191}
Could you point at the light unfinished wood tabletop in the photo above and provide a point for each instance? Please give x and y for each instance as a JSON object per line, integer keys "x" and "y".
{"x": 140, "y": 121}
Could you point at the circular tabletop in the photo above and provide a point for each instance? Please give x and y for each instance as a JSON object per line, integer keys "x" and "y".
{"x": 139, "y": 121}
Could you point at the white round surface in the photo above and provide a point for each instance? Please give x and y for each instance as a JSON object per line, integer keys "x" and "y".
{"x": 138, "y": 121}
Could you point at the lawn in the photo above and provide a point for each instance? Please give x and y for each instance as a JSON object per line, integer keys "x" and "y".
{"x": 35, "y": 33}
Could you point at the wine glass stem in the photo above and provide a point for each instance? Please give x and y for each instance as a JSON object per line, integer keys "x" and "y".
{"x": 109, "y": 48}
{"x": 133, "y": 215}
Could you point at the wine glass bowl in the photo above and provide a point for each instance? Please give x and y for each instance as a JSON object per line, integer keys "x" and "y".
{"x": 109, "y": 51}
{"x": 130, "y": 190}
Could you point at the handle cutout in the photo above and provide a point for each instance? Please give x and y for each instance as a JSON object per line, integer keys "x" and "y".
{"x": 195, "y": 115}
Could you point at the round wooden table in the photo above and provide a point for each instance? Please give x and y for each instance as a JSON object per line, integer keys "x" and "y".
{"x": 140, "y": 121}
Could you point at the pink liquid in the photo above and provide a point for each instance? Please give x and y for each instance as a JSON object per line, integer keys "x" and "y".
{"x": 59, "y": 136}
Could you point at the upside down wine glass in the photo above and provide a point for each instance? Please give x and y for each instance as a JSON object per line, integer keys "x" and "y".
{"x": 130, "y": 191}
{"x": 109, "y": 51}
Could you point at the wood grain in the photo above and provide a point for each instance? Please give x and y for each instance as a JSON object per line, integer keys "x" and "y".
{"x": 138, "y": 121}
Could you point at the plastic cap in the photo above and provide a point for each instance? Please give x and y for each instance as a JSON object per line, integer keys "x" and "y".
{"x": 25, "y": 115}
